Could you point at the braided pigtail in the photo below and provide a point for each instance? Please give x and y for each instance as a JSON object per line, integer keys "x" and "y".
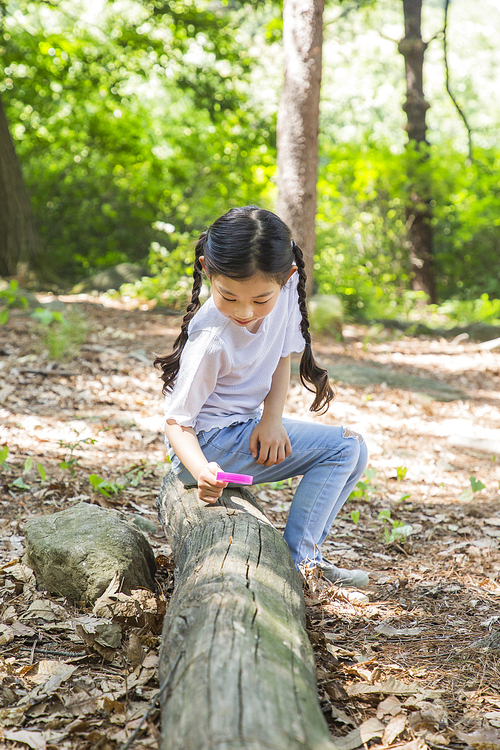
{"x": 170, "y": 363}
{"x": 310, "y": 372}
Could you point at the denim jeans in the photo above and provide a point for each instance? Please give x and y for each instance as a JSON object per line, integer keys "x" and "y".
{"x": 331, "y": 460}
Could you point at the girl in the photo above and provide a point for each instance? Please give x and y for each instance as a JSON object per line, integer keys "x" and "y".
{"x": 226, "y": 383}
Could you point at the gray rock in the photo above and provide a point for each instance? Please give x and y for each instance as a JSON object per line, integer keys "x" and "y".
{"x": 75, "y": 553}
{"x": 112, "y": 278}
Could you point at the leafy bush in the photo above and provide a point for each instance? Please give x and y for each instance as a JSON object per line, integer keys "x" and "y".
{"x": 362, "y": 253}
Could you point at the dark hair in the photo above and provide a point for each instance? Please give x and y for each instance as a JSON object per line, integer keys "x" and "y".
{"x": 245, "y": 242}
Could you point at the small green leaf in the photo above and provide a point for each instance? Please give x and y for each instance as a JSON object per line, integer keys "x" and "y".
{"x": 476, "y": 484}
{"x": 355, "y": 516}
{"x": 45, "y": 317}
{"x": 41, "y": 471}
{"x": 28, "y": 464}
{"x": 19, "y": 482}
{"x": 401, "y": 472}
{"x": 4, "y": 452}
{"x": 370, "y": 474}
{"x": 4, "y": 316}
{"x": 404, "y": 497}
{"x": 385, "y": 514}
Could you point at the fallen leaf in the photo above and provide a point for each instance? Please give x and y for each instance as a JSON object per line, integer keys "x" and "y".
{"x": 51, "y": 685}
{"x": 390, "y": 705}
{"x": 44, "y": 609}
{"x": 22, "y": 573}
{"x": 367, "y": 731}
{"x": 389, "y": 687}
{"x": 6, "y": 634}
{"x": 135, "y": 651}
{"x": 35, "y": 740}
{"x": 485, "y": 738}
{"x": 90, "y": 640}
{"x": 396, "y": 725}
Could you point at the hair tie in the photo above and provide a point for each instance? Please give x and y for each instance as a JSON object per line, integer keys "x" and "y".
{"x": 308, "y": 346}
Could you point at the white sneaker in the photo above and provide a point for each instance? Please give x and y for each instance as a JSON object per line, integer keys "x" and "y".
{"x": 356, "y": 579}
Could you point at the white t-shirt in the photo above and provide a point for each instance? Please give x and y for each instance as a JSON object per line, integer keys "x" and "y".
{"x": 226, "y": 371}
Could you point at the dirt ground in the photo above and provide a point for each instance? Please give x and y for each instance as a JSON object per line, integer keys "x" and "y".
{"x": 409, "y": 663}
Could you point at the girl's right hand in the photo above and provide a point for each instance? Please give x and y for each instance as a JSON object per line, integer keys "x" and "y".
{"x": 209, "y": 489}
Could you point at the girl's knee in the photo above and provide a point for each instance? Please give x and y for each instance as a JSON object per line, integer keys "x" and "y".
{"x": 355, "y": 448}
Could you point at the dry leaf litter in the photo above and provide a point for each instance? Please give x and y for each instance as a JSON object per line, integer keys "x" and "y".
{"x": 410, "y": 663}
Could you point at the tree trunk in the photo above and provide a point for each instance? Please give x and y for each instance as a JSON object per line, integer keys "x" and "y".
{"x": 298, "y": 123}
{"x": 19, "y": 241}
{"x": 418, "y": 209}
{"x": 236, "y": 667}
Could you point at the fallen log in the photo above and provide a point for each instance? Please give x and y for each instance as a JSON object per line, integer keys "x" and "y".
{"x": 236, "y": 666}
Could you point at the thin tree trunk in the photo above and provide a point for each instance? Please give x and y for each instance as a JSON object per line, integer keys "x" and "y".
{"x": 298, "y": 123}
{"x": 19, "y": 241}
{"x": 418, "y": 209}
{"x": 237, "y": 670}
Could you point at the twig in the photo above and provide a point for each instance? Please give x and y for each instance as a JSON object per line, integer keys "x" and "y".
{"x": 153, "y": 703}
{"x": 62, "y": 373}
{"x": 447, "y": 78}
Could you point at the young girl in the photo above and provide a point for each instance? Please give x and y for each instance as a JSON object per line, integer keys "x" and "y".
{"x": 226, "y": 383}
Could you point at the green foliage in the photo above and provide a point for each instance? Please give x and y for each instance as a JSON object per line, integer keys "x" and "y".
{"x": 401, "y": 472}
{"x": 475, "y": 486}
{"x": 364, "y": 489}
{"x": 394, "y": 530}
{"x": 104, "y": 487}
{"x": 4, "y": 452}
{"x": 11, "y": 298}
{"x": 362, "y": 252}
{"x": 135, "y": 118}
{"x": 72, "y": 461}
{"x": 62, "y": 334}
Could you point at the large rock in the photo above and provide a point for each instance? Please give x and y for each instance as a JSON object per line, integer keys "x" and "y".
{"x": 75, "y": 553}
{"x": 326, "y": 314}
{"x": 112, "y": 278}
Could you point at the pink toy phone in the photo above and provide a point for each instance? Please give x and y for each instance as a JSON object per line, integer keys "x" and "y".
{"x": 224, "y": 476}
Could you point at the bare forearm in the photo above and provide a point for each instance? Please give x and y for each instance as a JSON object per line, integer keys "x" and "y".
{"x": 274, "y": 403}
{"x": 186, "y": 447}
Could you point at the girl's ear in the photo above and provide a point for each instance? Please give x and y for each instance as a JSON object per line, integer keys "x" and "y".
{"x": 202, "y": 261}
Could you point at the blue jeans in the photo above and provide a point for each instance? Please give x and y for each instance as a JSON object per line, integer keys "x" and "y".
{"x": 330, "y": 459}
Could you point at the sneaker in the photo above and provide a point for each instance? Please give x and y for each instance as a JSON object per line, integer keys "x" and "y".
{"x": 357, "y": 579}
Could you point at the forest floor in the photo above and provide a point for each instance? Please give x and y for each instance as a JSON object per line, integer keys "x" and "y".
{"x": 398, "y": 665}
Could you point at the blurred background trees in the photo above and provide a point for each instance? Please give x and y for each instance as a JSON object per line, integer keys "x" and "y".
{"x": 138, "y": 123}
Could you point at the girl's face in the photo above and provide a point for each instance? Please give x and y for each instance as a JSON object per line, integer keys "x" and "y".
{"x": 247, "y": 302}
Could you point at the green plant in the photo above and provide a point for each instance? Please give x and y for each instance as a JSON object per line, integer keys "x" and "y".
{"x": 10, "y": 298}
{"x": 394, "y": 530}
{"x": 364, "y": 489}
{"x": 104, "y": 487}
{"x": 475, "y": 486}
{"x": 355, "y": 516}
{"x": 72, "y": 461}
{"x": 401, "y": 472}
{"x": 4, "y": 452}
{"x": 62, "y": 334}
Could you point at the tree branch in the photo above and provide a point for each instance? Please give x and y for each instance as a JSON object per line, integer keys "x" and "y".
{"x": 447, "y": 78}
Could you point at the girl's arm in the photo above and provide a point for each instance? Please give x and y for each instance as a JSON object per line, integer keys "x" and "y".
{"x": 269, "y": 442}
{"x": 187, "y": 448}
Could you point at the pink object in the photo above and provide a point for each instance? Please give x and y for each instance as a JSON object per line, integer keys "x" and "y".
{"x": 223, "y": 476}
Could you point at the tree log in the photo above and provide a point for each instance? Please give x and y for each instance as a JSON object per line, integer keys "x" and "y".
{"x": 236, "y": 667}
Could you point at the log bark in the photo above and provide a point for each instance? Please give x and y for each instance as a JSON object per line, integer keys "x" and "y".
{"x": 236, "y": 667}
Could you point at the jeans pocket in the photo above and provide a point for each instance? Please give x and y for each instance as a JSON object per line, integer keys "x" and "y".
{"x": 205, "y": 438}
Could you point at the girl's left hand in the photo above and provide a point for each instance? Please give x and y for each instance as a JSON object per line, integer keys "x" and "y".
{"x": 269, "y": 442}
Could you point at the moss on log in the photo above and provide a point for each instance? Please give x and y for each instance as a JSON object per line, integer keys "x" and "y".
{"x": 235, "y": 660}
